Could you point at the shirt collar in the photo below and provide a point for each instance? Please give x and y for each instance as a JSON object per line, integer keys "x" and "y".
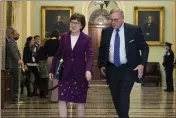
{"x": 9, "y": 38}
{"x": 121, "y": 28}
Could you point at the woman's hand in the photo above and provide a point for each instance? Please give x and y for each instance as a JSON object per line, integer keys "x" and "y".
{"x": 88, "y": 75}
{"x": 51, "y": 76}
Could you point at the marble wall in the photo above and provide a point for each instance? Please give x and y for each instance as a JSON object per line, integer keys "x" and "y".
{"x": 2, "y": 23}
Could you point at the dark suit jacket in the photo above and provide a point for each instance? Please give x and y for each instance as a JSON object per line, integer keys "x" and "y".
{"x": 168, "y": 59}
{"x": 134, "y": 43}
{"x": 13, "y": 54}
{"x": 80, "y": 59}
{"x": 27, "y": 55}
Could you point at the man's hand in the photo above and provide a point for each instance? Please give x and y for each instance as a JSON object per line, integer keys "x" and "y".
{"x": 51, "y": 76}
{"x": 88, "y": 75}
{"x": 140, "y": 69}
{"x": 102, "y": 70}
{"x": 20, "y": 62}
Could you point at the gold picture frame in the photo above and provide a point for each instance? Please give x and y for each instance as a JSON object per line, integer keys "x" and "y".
{"x": 49, "y": 18}
{"x": 151, "y": 20}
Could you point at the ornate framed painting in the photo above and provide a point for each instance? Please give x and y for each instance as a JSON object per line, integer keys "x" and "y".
{"x": 151, "y": 20}
{"x": 55, "y": 17}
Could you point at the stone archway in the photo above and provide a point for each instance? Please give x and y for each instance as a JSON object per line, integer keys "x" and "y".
{"x": 89, "y": 7}
{"x": 99, "y": 17}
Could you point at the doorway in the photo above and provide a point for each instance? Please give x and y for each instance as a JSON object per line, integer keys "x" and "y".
{"x": 97, "y": 21}
{"x": 95, "y": 34}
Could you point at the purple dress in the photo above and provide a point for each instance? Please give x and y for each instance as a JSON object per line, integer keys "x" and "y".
{"x": 71, "y": 90}
{"x": 73, "y": 85}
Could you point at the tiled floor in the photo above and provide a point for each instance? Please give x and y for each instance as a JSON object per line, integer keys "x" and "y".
{"x": 145, "y": 102}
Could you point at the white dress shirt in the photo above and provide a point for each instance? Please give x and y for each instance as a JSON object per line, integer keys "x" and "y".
{"x": 74, "y": 39}
{"x": 123, "y": 58}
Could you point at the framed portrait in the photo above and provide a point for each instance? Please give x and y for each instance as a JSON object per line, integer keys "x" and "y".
{"x": 151, "y": 21}
{"x": 55, "y": 17}
{"x": 10, "y": 13}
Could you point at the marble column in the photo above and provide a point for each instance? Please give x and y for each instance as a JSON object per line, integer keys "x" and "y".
{"x": 2, "y": 35}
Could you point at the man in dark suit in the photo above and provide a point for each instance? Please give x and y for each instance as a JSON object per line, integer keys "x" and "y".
{"x": 168, "y": 63}
{"x": 36, "y": 46}
{"x": 9, "y": 34}
{"x": 150, "y": 30}
{"x": 34, "y": 53}
{"x": 60, "y": 25}
{"x": 120, "y": 59}
{"x": 37, "y": 41}
{"x": 13, "y": 63}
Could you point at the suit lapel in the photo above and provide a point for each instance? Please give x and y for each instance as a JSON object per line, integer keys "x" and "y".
{"x": 126, "y": 33}
{"x": 68, "y": 42}
{"x": 109, "y": 36}
{"x": 108, "y": 40}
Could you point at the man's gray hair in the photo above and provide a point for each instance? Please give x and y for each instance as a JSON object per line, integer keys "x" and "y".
{"x": 117, "y": 10}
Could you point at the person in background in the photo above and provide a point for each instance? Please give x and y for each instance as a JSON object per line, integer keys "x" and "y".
{"x": 30, "y": 63}
{"x": 37, "y": 41}
{"x": 13, "y": 63}
{"x": 34, "y": 53}
{"x": 50, "y": 48}
{"x": 168, "y": 63}
{"x": 9, "y": 35}
{"x": 36, "y": 45}
{"x": 43, "y": 71}
{"x": 77, "y": 53}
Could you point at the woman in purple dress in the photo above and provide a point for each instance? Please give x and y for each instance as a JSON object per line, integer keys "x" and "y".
{"x": 75, "y": 48}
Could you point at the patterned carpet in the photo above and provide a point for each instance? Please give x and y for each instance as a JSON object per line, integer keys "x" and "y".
{"x": 145, "y": 102}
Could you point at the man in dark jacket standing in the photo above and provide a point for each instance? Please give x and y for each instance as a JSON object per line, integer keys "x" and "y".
{"x": 9, "y": 34}
{"x": 168, "y": 65}
{"x": 13, "y": 63}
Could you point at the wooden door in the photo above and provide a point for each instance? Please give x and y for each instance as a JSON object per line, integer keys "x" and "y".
{"x": 95, "y": 34}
